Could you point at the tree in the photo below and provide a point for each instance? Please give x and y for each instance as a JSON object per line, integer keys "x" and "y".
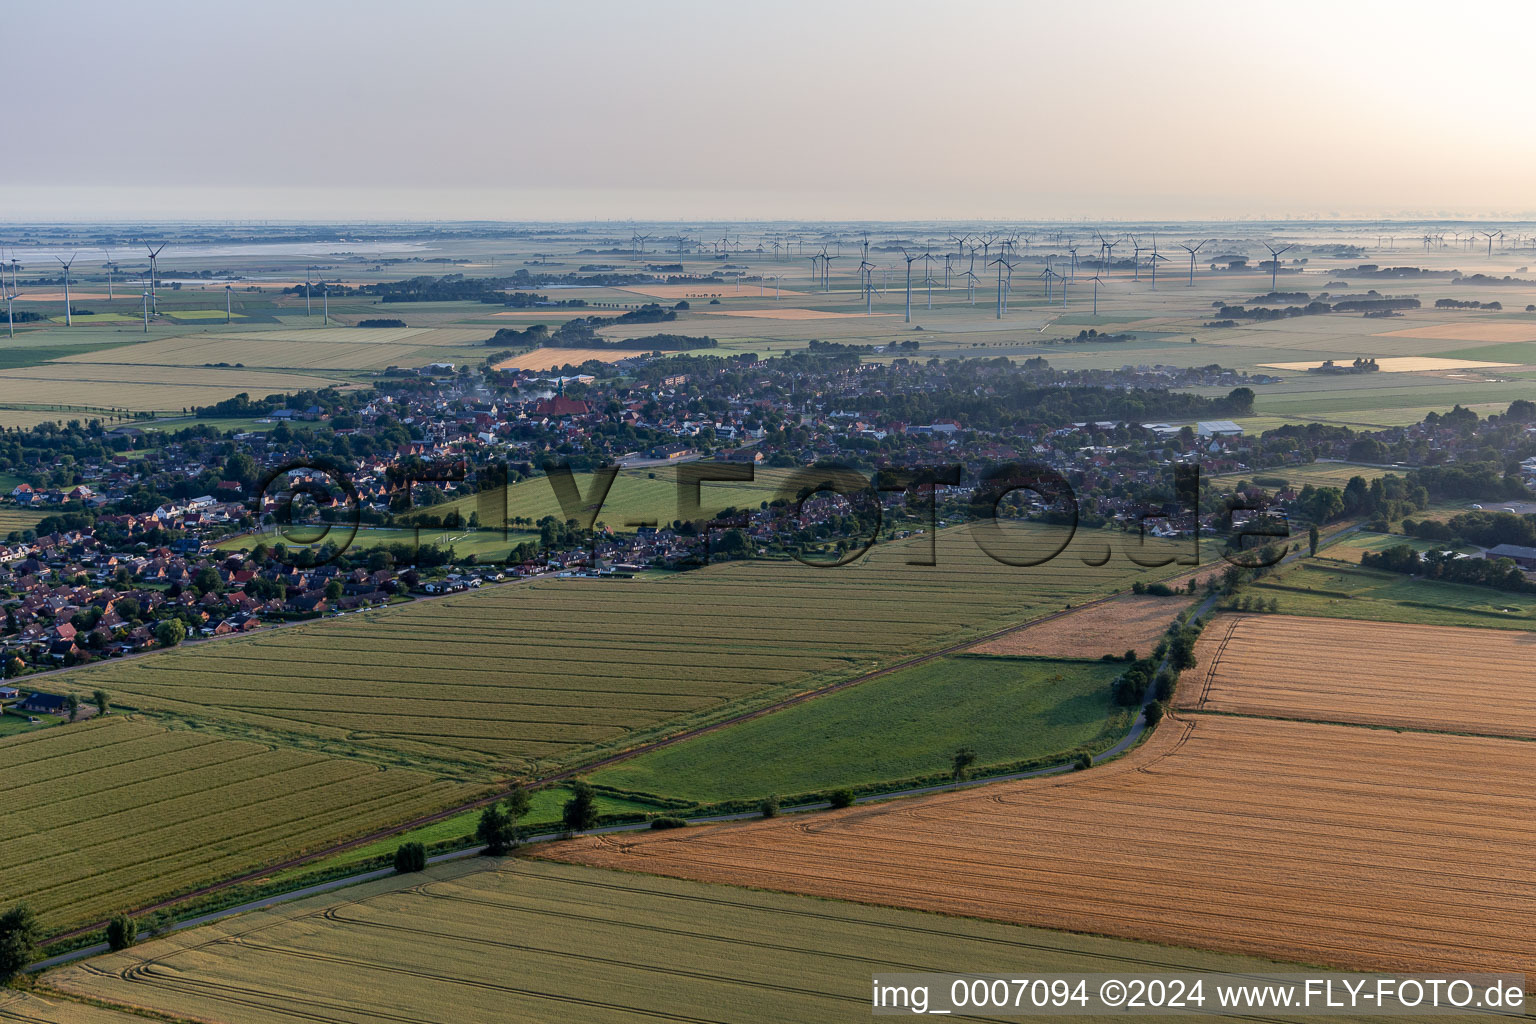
{"x": 333, "y": 590}
{"x": 580, "y": 811}
{"x": 410, "y": 857}
{"x": 14, "y": 667}
{"x": 170, "y": 632}
{"x": 840, "y": 798}
{"x": 1312, "y": 540}
{"x": 19, "y": 935}
{"x": 769, "y": 808}
{"x": 72, "y": 706}
{"x": 122, "y": 932}
{"x": 1154, "y": 713}
{"x": 961, "y": 762}
{"x": 207, "y": 581}
{"x": 103, "y": 701}
{"x": 498, "y": 823}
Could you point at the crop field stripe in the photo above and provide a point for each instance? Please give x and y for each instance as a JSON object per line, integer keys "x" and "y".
{"x": 600, "y": 947}
{"x": 1292, "y": 849}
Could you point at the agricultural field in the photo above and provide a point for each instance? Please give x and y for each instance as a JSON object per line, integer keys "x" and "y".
{"x": 141, "y": 388}
{"x": 1318, "y": 474}
{"x": 552, "y": 672}
{"x": 638, "y": 496}
{"x": 1369, "y": 673}
{"x": 489, "y": 545}
{"x": 1130, "y": 622}
{"x": 13, "y": 518}
{"x": 339, "y": 349}
{"x": 111, "y": 814}
{"x": 1328, "y": 844}
{"x": 590, "y": 947}
{"x": 900, "y": 726}
{"x": 1338, "y": 589}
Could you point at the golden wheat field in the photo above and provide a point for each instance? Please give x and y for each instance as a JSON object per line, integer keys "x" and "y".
{"x": 1329, "y": 844}
{"x": 1373, "y": 673}
{"x": 143, "y": 388}
{"x": 1128, "y": 623}
{"x": 549, "y": 358}
{"x": 551, "y": 672}
{"x": 111, "y": 814}
{"x": 523, "y": 940}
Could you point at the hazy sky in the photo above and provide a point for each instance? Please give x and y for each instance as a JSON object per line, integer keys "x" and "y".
{"x": 668, "y": 109}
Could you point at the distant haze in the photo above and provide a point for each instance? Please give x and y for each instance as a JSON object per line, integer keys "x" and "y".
{"x": 822, "y": 109}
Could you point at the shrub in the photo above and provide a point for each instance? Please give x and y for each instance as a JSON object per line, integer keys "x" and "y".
{"x": 769, "y": 808}
{"x": 841, "y": 798}
{"x": 122, "y": 932}
{"x": 1082, "y": 762}
{"x": 667, "y": 821}
{"x": 410, "y": 857}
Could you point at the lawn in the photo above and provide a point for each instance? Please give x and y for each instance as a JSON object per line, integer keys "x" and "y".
{"x": 906, "y": 724}
{"x": 11, "y": 725}
{"x": 1337, "y": 589}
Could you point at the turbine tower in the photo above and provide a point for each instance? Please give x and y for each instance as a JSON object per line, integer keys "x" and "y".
{"x": 909, "y": 259}
{"x": 1274, "y": 261}
{"x": 154, "y": 266}
{"x": 1192, "y": 251}
{"x": 69, "y": 316}
{"x": 1491, "y": 235}
{"x": 1155, "y": 257}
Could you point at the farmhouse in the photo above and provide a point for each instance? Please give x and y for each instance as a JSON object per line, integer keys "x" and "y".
{"x": 7, "y": 693}
{"x": 1524, "y": 557}
{"x": 44, "y": 704}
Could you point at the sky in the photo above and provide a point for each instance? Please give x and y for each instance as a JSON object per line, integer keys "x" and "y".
{"x": 830, "y": 109}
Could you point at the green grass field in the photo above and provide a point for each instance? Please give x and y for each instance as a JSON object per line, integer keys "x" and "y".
{"x": 484, "y": 544}
{"x": 548, "y": 673}
{"x": 13, "y": 518}
{"x": 110, "y": 814}
{"x": 543, "y": 815}
{"x": 1318, "y": 474}
{"x": 1338, "y": 589}
{"x": 902, "y": 725}
{"x": 637, "y": 496}
{"x": 522, "y": 940}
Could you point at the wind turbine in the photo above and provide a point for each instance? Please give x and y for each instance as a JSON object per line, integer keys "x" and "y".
{"x": 970, "y": 286}
{"x": 154, "y": 266}
{"x": 814, "y": 275}
{"x": 325, "y": 298}
{"x": 1109, "y": 255}
{"x": 1491, "y": 235}
{"x": 1155, "y": 257}
{"x": 1000, "y": 262}
{"x": 909, "y": 259}
{"x": 826, "y": 270}
{"x": 867, "y": 277}
{"x": 107, "y": 264}
{"x": 227, "y": 302}
{"x": 146, "y": 306}
{"x": 1192, "y": 252}
{"x": 1274, "y": 261}
{"x": 306, "y": 288}
{"x": 928, "y": 276}
{"x": 1096, "y": 283}
{"x": 1048, "y": 276}
{"x": 69, "y": 317}
{"x": 10, "y": 318}
{"x": 776, "y": 279}
{"x": 1135, "y": 258}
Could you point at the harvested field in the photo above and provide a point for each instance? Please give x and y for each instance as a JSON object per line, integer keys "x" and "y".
{"x": 790, "y": 314}
{"x": 1330, "y": 844}
{"x": 1372, "y": 673}
{"x": 589, "y": 947}
{"x": 559, "y": 314}
{"x": 40, "y": 1008}
{"x": 554, "y": 672}
{"x": 142, "y": 388}
{"x": 1405, "y": 364}
{"x": 1487, "y": 330}
{"x": 1129, "y": 623}
{"x": 701, "y": 290}
{"x": 549, "y": 358}
{"x": 111, "y": 814}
